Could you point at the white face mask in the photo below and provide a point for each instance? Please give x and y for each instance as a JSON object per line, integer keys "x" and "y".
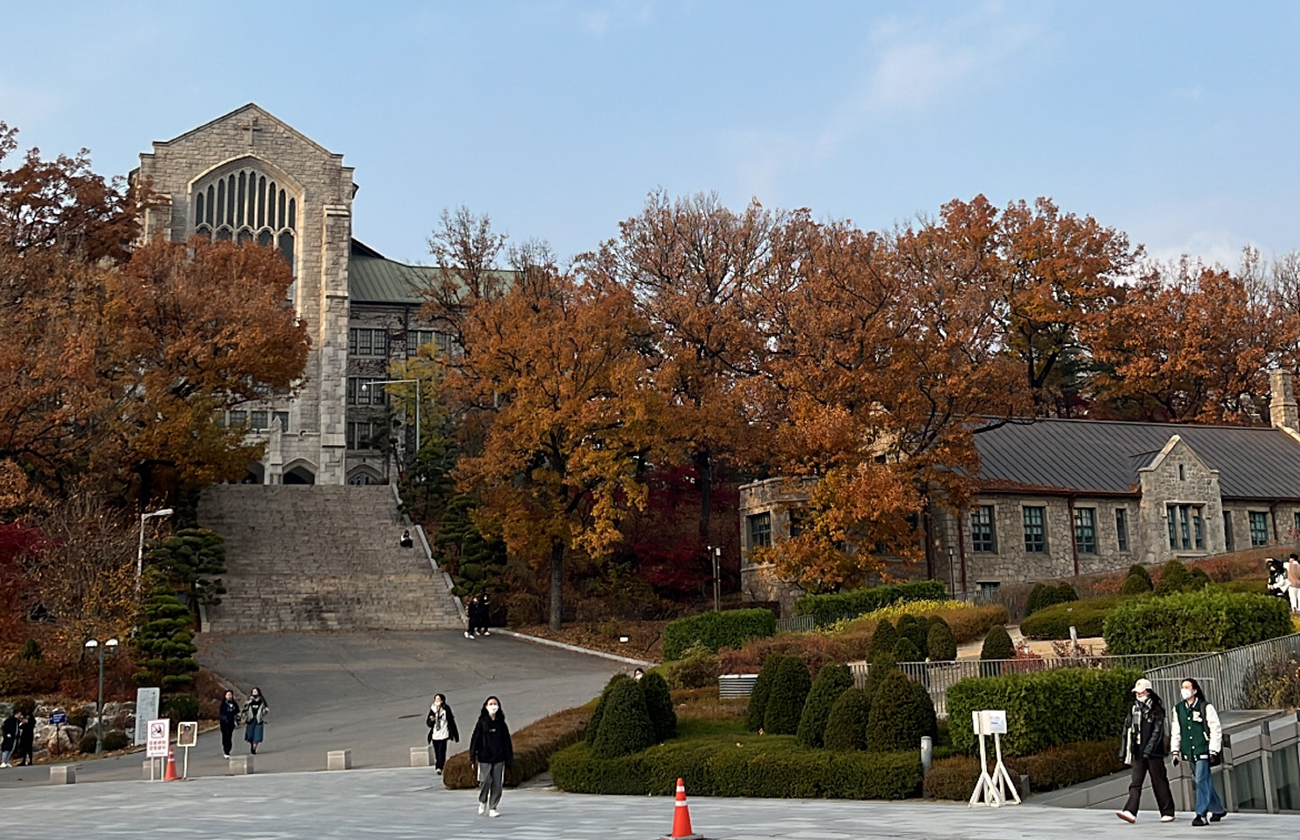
{"x": 1143, "y": 696}
{"x": 437, "y": 704}
{"x": 1187, "y": 694}
{"x": 492, "y": 708}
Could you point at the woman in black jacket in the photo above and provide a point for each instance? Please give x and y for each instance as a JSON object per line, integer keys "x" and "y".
{"x": 26, "y": 736}
{"x": 229, "y": 713}
{"x": 1142, "y": 745}
{"x": 492, "y": 752}
{"x": 442, "y": 728}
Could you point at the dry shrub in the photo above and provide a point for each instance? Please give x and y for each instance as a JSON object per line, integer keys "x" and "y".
{"x": 952, "y": 778}
{"x": 705, "y": 704}
{"x": 534, "y": 744}
{"x": 814, "y": 649}
{"x": 971, "y": 624}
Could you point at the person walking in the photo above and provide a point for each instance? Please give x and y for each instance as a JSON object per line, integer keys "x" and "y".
{"x": 1142, "y": 745}
{"x": 8, "y": 738}
{"x": 481, "y": 626}
{"x": 442, "y": 727}
{"x": 26, "y": 737}
{"x": 229, "y": 715}
{"x": 471, "y": 616}
{"x": 1293, "y": 582}
{"x": 491, "y": 751}
{"x": 1197, "y": 737}
{"x": 255, "y": 717}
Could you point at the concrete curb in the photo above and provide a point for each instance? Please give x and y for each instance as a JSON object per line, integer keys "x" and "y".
{"x": 574, "y": 648}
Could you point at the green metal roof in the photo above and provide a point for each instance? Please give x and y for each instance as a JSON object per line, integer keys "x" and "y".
{"x": 372, "y": 278}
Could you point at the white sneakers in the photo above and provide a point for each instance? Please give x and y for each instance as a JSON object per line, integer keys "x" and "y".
{"x": 1126, "y": 816}
{"x": 1167, "y": 818}
{"x": 494, "y": 813}
{"x": 438, "y": 771}
{"x": 469, "y": 635}
{"x": 482, "y": 806}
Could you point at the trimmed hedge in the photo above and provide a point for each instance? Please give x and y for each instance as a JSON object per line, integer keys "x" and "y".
{"x": 593, "y": 724}
{"x": 1044, "y": 709}
{"x": 846, "y": 724}
{"x": 883, "y": 641}
{"x": 535, "y": 746}
{"x": 625, "y": 725}
{"x": 940, "y": 642}
{"x": 771, "y": 767}
{"x": 997, "y": 645}
{"x": 1054, "y": 622}
{"x": 756, "y": 711}
{"x": 1195, "y": 622}
{"x": 901, "y": 714}
{"x": 915, "y": 629}
{"x": 659, "y": 703}
{"x": 831, "y": 682}
{"x": 698, "y": 668}
{"x": 1043, "y": 595}
{"x": 836, "y": 606}
{"x": 1136, "y": 585}
{"x": 785, "y": 702}
{"x": 954, "y": 778}
{"x": 715, "y": 630}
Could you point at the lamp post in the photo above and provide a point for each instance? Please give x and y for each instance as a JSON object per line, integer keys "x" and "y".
{"x": 139, "y": 554}
{"x": 717, "y": 580}
{"x": 108, "y": 648}
{"x": 367, "y": 385}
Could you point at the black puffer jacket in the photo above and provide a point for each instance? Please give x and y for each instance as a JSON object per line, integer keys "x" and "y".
{"x": 491, "y": 740}
{"x": 1144, "y": 732}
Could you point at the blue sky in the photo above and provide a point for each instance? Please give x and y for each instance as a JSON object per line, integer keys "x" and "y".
{"x": 1176, "y": 122}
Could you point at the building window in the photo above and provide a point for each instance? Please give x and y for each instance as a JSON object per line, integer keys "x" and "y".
{"x": 1182, "y": 473}
{"x": 1227, "y": 530}
{"x": 362, "y": 479}
{"x": 1258, "y": 528}
{"x": 1295, "y": 526}
{"x": 1186, "y": 527}
{"x": 282, "y": 417}
{"x": 797, "y": 517}
{"x": 361, "y": 391}
{"x": 1035, "y": 534}
{"x": 245, "y": 205}
{"x": 421, "y": 338}
{"x": 983, "y": 536}
{"x": 1121, "y": 528}
{"x": 1085, "y": 530}
{"x": 367, "y": 342}
{"x": 259, "y": 420}
{"x": 760, "y": 530}
{"x": 361, "y": 435}
{"x": 238, "y": 419}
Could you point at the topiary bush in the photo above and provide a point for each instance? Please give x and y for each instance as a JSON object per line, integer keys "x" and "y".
{"x": 877, "y": 671}
{"x": 1043, "y": 595}
{"x": 593, "y": 725}
{"x": 997, "y": 645}
{"x": 901, "y": 714}
{"x": 1135, "y": 585}
{"x": 1141, "y": 571}
{"x": 915, "y": 629}
{"x": 164, "y": 644}
{"x": 1173, "y": 578}
{"x": 1195, "y": 622}
{"x": 832, "y": 681}
{"x": 534, "y": 745}
{"x": 625, "y": 725}
{"x": 193, "y": 558}
{"x": 785, "y": 702}
{"x": 940, "y": 642}
{"x": 756, "y": 712}
{"x": 905, "y": 651}
{"x": 714, "y": 630}
{"x": 1085, "y": 616}
{"x": 846, "y": 723}
{"x": 181, "y": 707}
{"x": 87, "y": 743}
{"x": 883, "y": 641}
{"x": 837, "y": 606}
{"x": 698, "y": 668}
{"x": 659, "y": 704}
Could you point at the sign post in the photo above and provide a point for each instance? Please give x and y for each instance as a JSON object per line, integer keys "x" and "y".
{"x": 187, "y": 735}
{"x": 146, "y": 709}
{"x": 158, "y": 735}
{"x": 993, "y": 789}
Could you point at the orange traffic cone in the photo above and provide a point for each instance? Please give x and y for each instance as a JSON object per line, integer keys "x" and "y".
{"x": 170, "y": 775}
{"x": 682, "y": 817}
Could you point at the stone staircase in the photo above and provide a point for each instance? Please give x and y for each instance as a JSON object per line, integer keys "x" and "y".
{"x": 321, "y": 558}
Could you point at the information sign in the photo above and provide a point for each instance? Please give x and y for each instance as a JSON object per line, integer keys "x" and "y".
{"x": 159, "y": 734}
{"x": 187, "y": 734}
{"x": 146, "y": 709}
{"x": 58, "y": 717}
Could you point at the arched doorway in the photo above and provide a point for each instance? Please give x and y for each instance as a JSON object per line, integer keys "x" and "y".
{"x": 364, "y": 476}
{"x": 255, "y": 474}
{"x": 299, "y": 475}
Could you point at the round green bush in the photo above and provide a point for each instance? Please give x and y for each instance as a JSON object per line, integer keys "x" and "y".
{"x": 698, "y": 668}
{"x": 625, "y": 726}
{"x": 659, "y": 704}
{"x": 846, "y": 724}
{"x": 1042, "y": 596}
{"x": 1174, "y": 578}
{"x": 901, "y": 713}
{"x": 1065, "y": 593}
{"x": 1141, "y": 571}
{"x": 1195, "y": 622}
{"x": 905, "y": 651}
{"x": 879, "y": 669}
{"x": 785, "y": 703}
{"x": 756, "y": 712}
{"x": 940, "y": 642}
{"x": 1135, "y": 585}
{"x": 915, "y": 629}
{"x": 832, "y": 680}
{"x": 181, "y": 707}
{"x": 1034, "y": 602}
{"x": 883, "y": 640}
{"x": 593, "y": 723}
{"x": 116, "y": 739}
{"x": 997, "y": 645}
{"x": 1197, "y": 579}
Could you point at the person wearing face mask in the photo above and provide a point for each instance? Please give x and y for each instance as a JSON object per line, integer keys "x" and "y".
{"x": 229, "y": 714}
{"x": 255, "y": 717}
{"x": 1143, "y": 746}
{"x": 491, "y": 751}
{"x": 1198, "y": 737}
{"x": 442, "y": 727}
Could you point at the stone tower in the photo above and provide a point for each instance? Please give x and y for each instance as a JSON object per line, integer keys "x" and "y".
{"x": 249, "y": 177}
{"x": 1281, "y": 401}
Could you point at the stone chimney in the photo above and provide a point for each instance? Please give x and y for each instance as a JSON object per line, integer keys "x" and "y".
{"x": 1281, "y": 401}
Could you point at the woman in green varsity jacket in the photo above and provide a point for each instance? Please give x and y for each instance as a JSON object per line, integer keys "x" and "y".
{"x": 1197, "y": 737}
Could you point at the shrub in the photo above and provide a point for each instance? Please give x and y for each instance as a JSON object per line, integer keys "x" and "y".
{"x": 534, "y": 746}
{"x": 952, "y": 778}
{"x": 1142, "y": 572}
{"x": 969, "y": 625}
{"x": 1274, "y": 684}
{"x": 877, "y": 671}
{"x": 883, "y": 641}
{"x": 1086, "y": 617}
{"x": 716, "y": 630}
{"x": 997, "y": 645}
{"x": 78, "y": 718}
{"x": 698, "y": 668}
{"x": 1135, "y": 585}
{"x": 905, "y": 651}
{"x": 846, "y": 723}
{"x": 1173, "y": 578}
{"x": 785, "y": 703}
{"x": 831, "y": 682}
{"x": 814, "y": 649}
{"x": 1197, "y": 579}
{"x": 914, "y": 629}
{"x": 1195, "y": 622}
{"x": 165, "y": 645}
{"x": 30, "y": 651}
{"x": 181, "y": 707}
{"x": 659, "y": 704}
{"x": 87, "y": 743}
{"x": 593, "y": 724}
{"x": 193, "y": 558}
{"x": 940, "y": 642}
{"x": 115, "y": 739}
{"x": 830, "y": 608}
{"x": 901, "y": 713}
{"x": 1043, "y": 595}
{"x": 955, "y": 777}
{"x": 967, "y": 621}
{"x": 756, "y": 713}
{"x": 625, "y": 725}
{"x": 1044, "y": 709}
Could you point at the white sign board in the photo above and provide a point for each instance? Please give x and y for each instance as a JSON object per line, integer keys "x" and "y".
{"x": 160, "y": 733}
{"x": 187, "y": 734}
{"x": 995, "y": 722}
{"x": 146, "y": 709}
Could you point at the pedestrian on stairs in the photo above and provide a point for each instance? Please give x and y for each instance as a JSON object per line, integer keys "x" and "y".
{"x": 255, "y": 719}
{"x": 442, "y": 727}
{"x": 491, "y": 752}
{"x": 406, "y": 541}
{"x": 229, "y": 715}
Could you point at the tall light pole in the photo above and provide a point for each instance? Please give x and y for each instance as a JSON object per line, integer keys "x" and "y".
{"x": 107, "y": 648}
{"x": 139, "y": 554}
{"x": 717, "y": 579}
{"x": 367, "y": 385}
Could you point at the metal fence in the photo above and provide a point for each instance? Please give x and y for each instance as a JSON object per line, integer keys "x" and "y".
{"x": 1223, "y": 675}
{"x": 796, "y": 624}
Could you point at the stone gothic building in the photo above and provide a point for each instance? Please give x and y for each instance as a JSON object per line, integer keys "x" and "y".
{"x": 249, "y": 177}
{"x": 1066, "y": 497}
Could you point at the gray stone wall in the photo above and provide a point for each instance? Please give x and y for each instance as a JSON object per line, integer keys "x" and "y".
{"x": 1177, "y": 476}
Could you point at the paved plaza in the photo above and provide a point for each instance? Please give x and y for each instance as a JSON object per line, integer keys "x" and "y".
{"x": 398, "y": 804}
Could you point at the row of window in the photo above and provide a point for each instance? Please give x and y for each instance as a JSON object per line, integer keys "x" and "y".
{"x": 363, "y": 391}
{"x": 361, "y": 434}
{"x": 257, "y": 421}
{"x": 367, "y": 341}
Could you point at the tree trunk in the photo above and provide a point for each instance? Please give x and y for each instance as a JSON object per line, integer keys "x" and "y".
{"x": 557, "y": 584}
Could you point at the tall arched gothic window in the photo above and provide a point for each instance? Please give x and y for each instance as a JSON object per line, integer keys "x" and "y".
{"x": 247, "y": 205}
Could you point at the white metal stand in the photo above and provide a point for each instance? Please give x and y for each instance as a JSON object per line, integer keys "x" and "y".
{"x": 997, "y": 788}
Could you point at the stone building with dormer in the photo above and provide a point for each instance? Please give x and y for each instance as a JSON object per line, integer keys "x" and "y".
{"x": 1058, "y": 498}
{"x": 251, "y": 178}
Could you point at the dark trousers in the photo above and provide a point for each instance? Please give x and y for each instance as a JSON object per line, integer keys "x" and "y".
{"x": 1159, "y": 785}
{"x": 439, "y": 752}
{"x": 227, "y": 738}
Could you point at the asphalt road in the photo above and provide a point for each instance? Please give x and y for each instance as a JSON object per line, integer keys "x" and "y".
{"x": 367, "y": 692}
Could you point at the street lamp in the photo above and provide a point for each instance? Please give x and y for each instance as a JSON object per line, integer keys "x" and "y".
{"x": 139, "y": 554}
{"x": 717, "y": 580}
{"x": 106, "y": 649}
{"x": 366, "y": 385}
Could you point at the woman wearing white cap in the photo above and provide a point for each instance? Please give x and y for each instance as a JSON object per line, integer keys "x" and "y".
{"x": 1143, "y": 746}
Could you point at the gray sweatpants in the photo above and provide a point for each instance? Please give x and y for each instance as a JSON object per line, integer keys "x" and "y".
{"x": 490, "y": 779}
